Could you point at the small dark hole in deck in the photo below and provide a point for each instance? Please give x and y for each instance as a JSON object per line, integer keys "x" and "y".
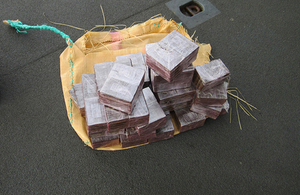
{"x": 191, "y": 8}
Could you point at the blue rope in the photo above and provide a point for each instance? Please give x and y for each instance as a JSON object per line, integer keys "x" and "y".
{"x": 179, "y": 25}
{"x": 21, "y": 28}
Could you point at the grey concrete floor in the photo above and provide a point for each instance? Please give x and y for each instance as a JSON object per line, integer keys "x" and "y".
{"x": 258, "y": 40}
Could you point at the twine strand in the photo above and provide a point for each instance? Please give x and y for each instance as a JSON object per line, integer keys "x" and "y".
{"x": 21, "y": 28}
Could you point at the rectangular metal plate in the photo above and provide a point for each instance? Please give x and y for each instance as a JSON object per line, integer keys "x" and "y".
{"x": 209, "y": 11}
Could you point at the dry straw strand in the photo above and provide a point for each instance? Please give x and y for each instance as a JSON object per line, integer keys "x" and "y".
{"x": 230, "y": 112}
{"x": 104, "y": 21}
{"x": 246, "y": 111}
{"x": 193, "y": 35}
{"x": 234, "y": 94}
{"x": 229, "y": 92}
{"x": 239, "y": 92}
{"x": 62, "y": 24}
{"x": 238, "y": 115}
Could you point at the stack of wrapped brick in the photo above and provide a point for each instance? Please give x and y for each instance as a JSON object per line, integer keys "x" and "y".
{"x": 115, "y": 105}
{"x": 121, "y": 108}
{"x": 211, "y": 89}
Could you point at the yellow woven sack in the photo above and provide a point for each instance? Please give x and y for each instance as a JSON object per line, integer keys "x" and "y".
{"x": 98, "y": 47}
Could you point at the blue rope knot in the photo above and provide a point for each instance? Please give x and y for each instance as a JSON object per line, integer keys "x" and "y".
{"x": 17, "y": 25}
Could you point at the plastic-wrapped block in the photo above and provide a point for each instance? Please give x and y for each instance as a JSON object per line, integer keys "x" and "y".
{"x": 164, "y": 132}
{"x": 116, "y": 120}
{"x": 140, "y": 113}
{"x": 95, "y": 116}
{"x": 147, "y": 82}
{"x": 136, "y": 58}
{"x": 119, "y": 120}
{"x": 125, "y": 143}
{"x": 157, "y": 117}
{"x": 124, "y": 61}
{"x": 183, "y": 80}
{"x": 170, "y": 56}
{"x": 105, "y": 136}
{"x": 94, "y": 110}
{"x": 177, "y": 106}
{"x": 89, "y": 86}
{"x": 187, "y": 119}
{"x": 102, "y": 71}
{"x": 148, "y": 135}
{"x": 105, "y": 139}
{"x": 130, "y": 134}
{"x": 72, "y": 94}
{"x": 151, "y": 127}
{"x": 138, "y": 61}
{"x": 175, "y": 96}
{"x": 122, "y": 87}
{"x": 225, "y": 108}
{"x": 77, "y": 96}
{"x": 131, "y": 138}
{"x": 208, "y": 111}
{"x": 209, "y": 75}
{"x": 215, "y": 96}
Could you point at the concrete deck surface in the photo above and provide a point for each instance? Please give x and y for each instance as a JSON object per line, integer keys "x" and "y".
{"x": 258, "y": 40}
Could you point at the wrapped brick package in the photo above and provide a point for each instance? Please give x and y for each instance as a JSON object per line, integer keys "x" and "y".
{"x": 169, "y": 99}
{"x": 77, "y": 96}
{"x": 140, "y": 113}
{"x": 187, "y": 119}
{"x": 208, "y": 111}
{"x": 165, "y": 132}
{"x": 131, "y": 138}
{"x": 170, "y": 56}
{"x": 105, "y": 139}
{"x": 106, "y": 136}
{"x": 209, "y": 75}
{"x": 116, "y": 120}
{"x": 94, "y": 110}
{"x": 183, "y": 80}
{"x": 95, "y": 116}
{"x": 212, "y": 101}
{"x": 109, "y": 123}
{"x": 138, "y": 61}
{"x": 101, "y": 73}
{"x": 122, "y": 87}
{"x": 130, "y": 135}
{"x": 72, "y": 94}
{"x": 157, "y": 117}
{"x": 119, "y": 120}
{"x": 89, "y": 86}
{"x": 124, "y": 61}
{"x": 215, "y": 96}
{"x": 177, "y": 106}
